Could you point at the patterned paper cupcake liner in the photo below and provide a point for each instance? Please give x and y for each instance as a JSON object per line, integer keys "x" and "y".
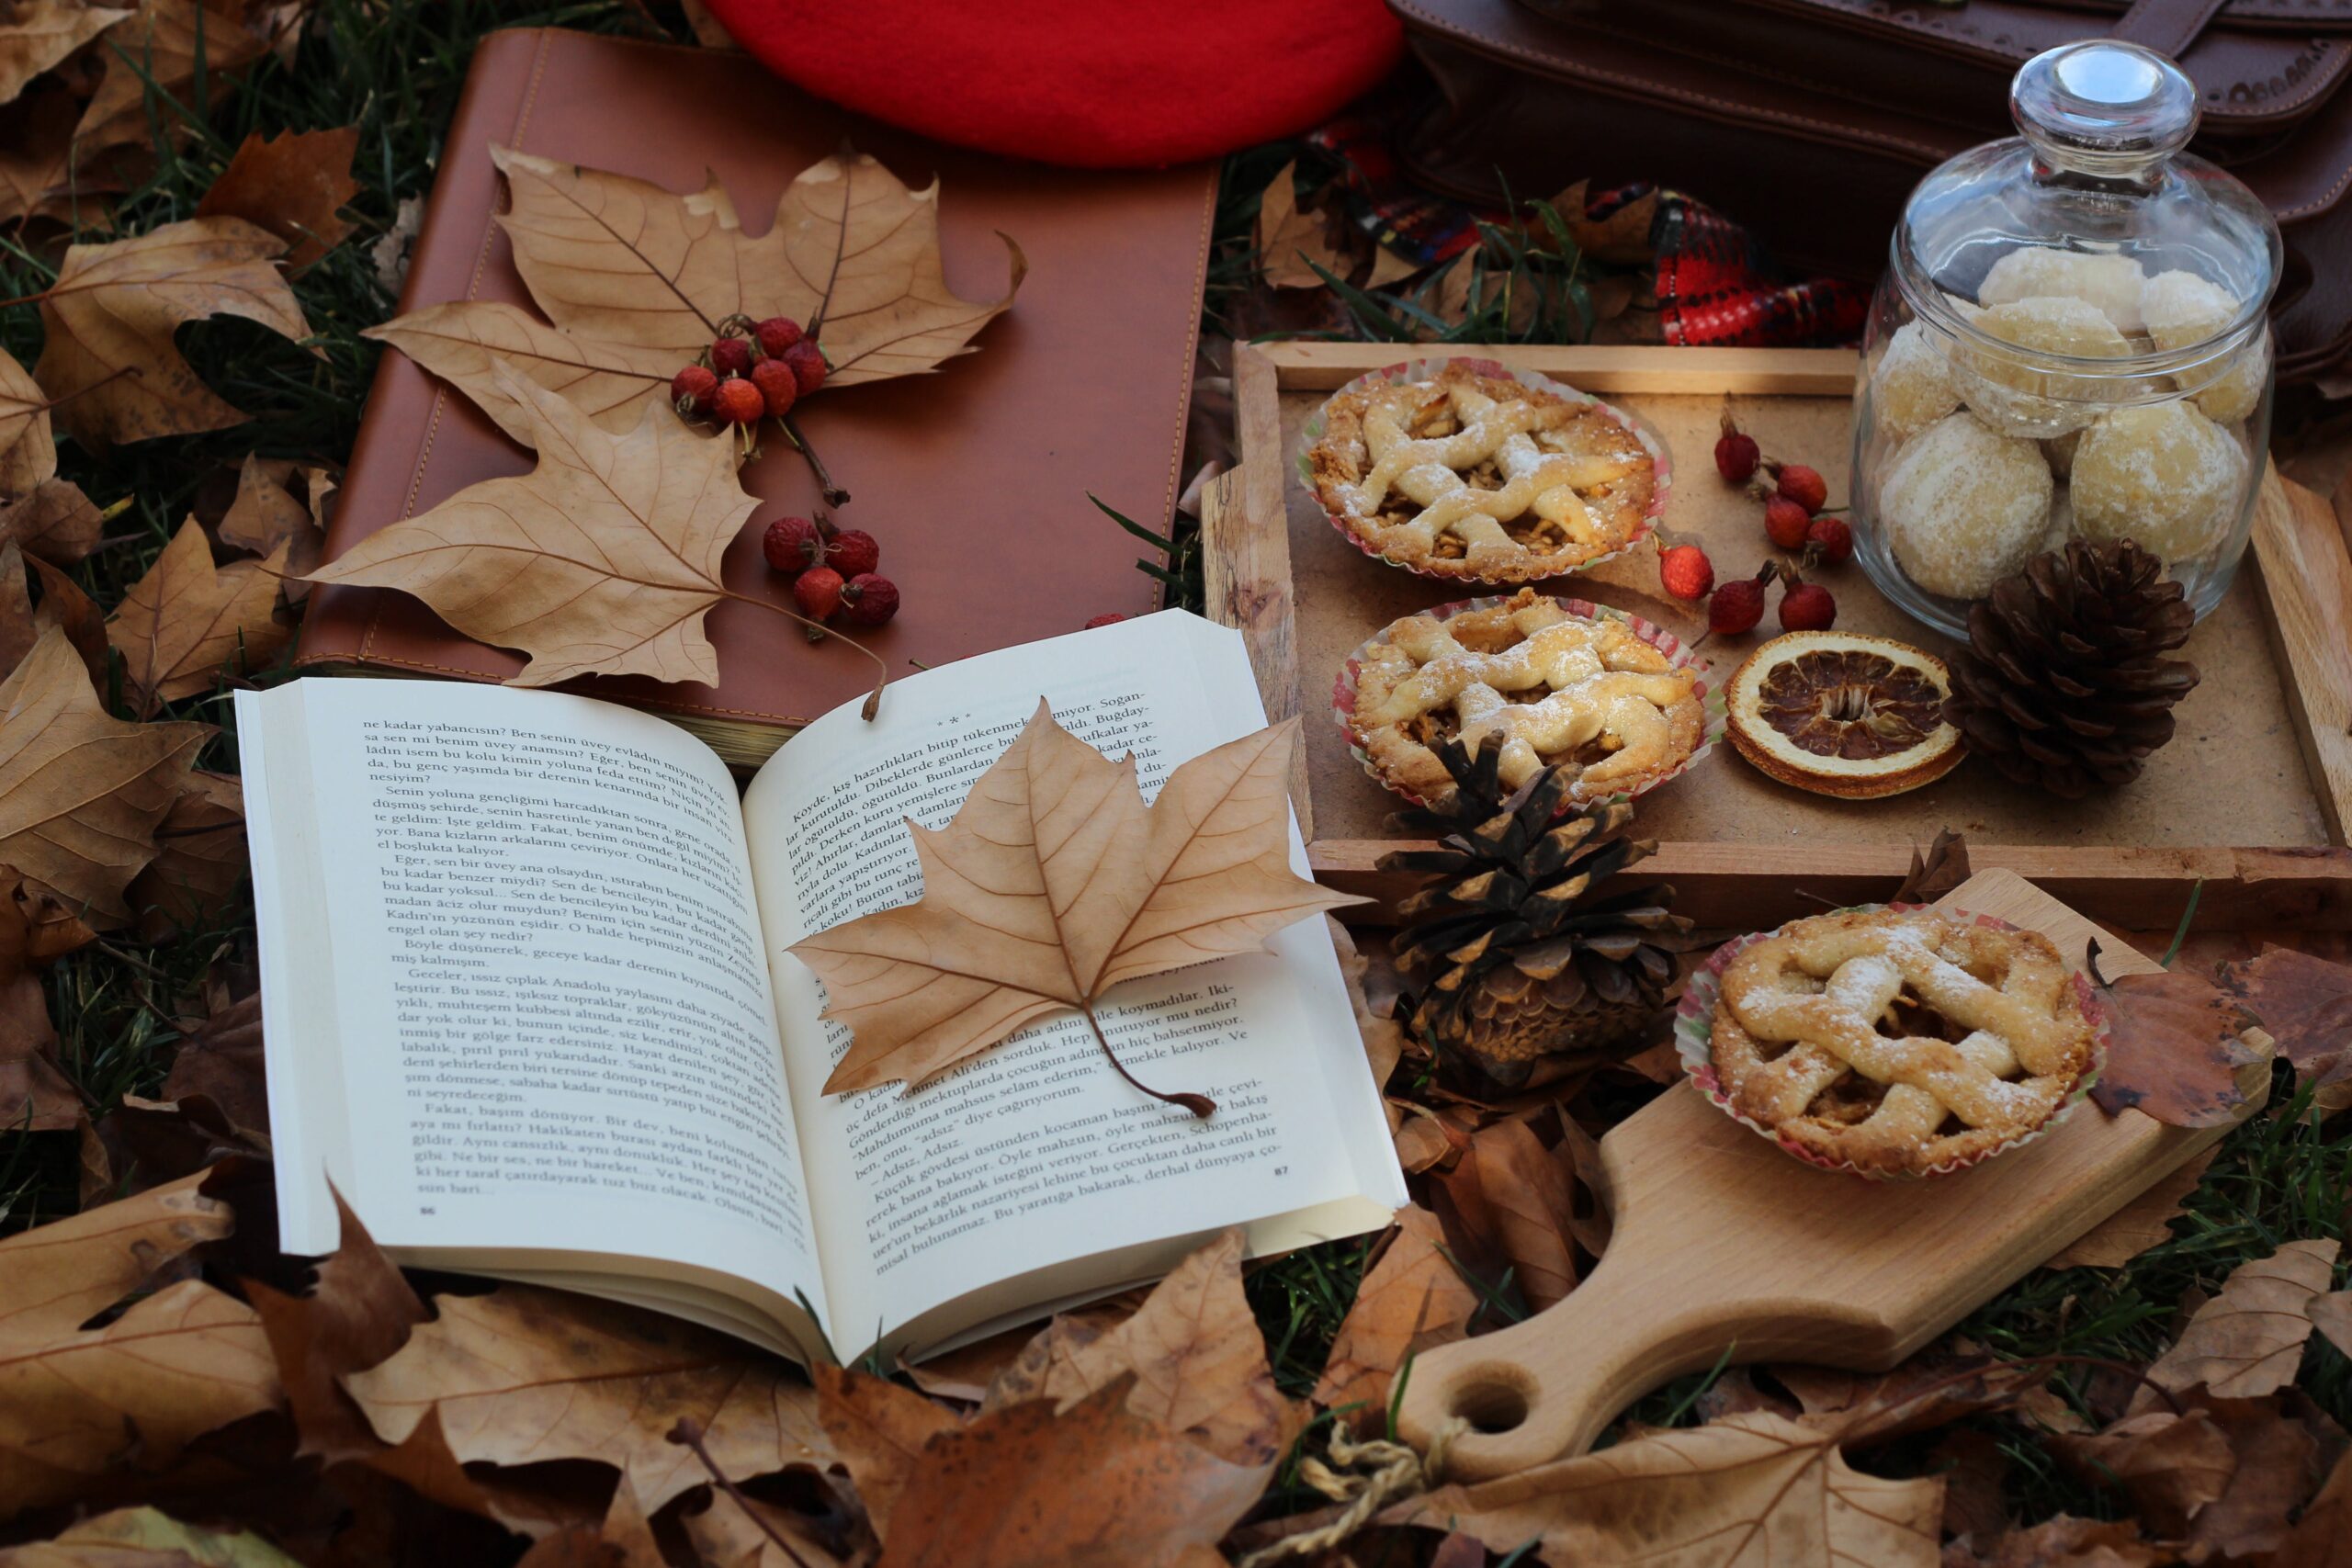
{"x": 1694, "y": 1019}
{"x": 1678, "y": 654}
{"x": 1421, "y": 369}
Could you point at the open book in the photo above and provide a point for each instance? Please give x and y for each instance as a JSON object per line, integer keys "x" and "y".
{"x": 528, "y": 1006}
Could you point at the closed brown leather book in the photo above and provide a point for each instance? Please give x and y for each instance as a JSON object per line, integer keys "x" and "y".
{"x": 974, "y": 480}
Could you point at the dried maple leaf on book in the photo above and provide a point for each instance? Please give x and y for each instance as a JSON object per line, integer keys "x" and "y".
{"x": 1055, "y": 882}
{"x": 636, "y": 280}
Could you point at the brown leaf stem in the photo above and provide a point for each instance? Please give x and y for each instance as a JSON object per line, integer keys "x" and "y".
{"x": 834, "y": 494}
{"x": 882, "y": 679}
{"x": 689, "y": 1431}
{"x": 1200, "y": 1105}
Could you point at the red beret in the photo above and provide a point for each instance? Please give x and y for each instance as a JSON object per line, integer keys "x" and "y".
{"x": 1103, "y": 84}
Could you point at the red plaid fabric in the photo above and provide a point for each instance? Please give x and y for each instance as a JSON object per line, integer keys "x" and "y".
{"x": 1713, "y": 284}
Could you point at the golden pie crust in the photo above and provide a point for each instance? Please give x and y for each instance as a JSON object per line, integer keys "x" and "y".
{"x": 1481, "y": 478}
{"x": 1585, "y": 692}
{"x": 1900, "y": 1042}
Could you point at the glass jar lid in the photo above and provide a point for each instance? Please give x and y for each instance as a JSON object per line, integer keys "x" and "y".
{"x": 2095, "y": 199}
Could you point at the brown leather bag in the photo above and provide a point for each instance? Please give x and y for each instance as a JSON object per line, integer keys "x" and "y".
{"x": 1810, "y": 121}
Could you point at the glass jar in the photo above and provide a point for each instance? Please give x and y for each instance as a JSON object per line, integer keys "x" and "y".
{"x": 2072, "y": 340}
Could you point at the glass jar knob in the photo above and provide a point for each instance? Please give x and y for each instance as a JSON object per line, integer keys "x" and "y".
{"x": 2105, "y": 108}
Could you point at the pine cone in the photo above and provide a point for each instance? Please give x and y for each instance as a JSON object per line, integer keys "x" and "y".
{"x": 1520, "y": 949}
{"x": 2062, "y": 685}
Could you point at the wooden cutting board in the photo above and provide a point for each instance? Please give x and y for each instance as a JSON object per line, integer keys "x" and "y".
{"x": 1722, "y": 1241}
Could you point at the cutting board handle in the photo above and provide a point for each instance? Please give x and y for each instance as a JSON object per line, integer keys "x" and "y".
{"x": 1724, "y": 1247}
{"x": 1547, "y": 1386}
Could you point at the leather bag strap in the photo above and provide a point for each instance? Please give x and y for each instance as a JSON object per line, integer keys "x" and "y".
{"x": 2168, "y": 27}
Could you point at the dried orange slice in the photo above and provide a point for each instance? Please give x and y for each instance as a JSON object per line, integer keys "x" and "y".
{"x": 1842, "y": 714}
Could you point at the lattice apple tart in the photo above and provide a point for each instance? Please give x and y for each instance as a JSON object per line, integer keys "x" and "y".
{"x": 1479, "y": 477}
{"x": 1893, "y": 1043}
{"x": 1586, "y": 692}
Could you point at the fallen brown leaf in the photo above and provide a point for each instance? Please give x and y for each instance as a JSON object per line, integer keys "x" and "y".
{"x": 27, "y": 452}
{"x": 175, "y": 1364}
{"x": 1286, "y": 239}
{"x": 2248, "y": 1340}
{"x": 880, "y": 1430}
{"x": 1198, "y": 1363}
{"x": 600, "y": 561}
{"x": 1534, "y": 1209}
{"x": 109, "y": 357}
{"x": 35, "y": 1093}
{"x": 54, "y": 522}
{"x": 1753, "y": 1490}
{"x": 294, "y": 185}
{"x": 199, "y": 862}
{"x": 1412, "y": 1299}
{"x": 728, "y": 1534}
{"x": 1623, "y": 237}
{"x": 2067, "y": 1541}
{"x": 357, "y": 1315}
{"x": 2278, "y": 1460}
{"x": 81, "y": 792}
{"x": 37, "y": 153}
{"x": 2170, "y": 1466}
{"x": 1091, "y": 1485}
{"x": 2322, "y": 1536}
{"x": 1943, "y": 867}
{"x": 1036, "y": 924}
{"x": 146, "y": 1538}
{"x": 1384, "y": 1037}
{"x": 523, "y": 1375}
{"x": 265, "y": 514}
{"x": 66, "y": 607}
{"x": 965, "y": 1372}
{"x": 187, "y": 621}
{"x": 2305, "y": 1004}
{"x": 517, "y": 1499}
{"x": 38, "y": 34}
{"x": 159, "y": 44}
{"x": 2176, "y": 1053}
{"x": 2139, "y": 1225}
{"x": 1929, "y": 1390}
{"x": 1974, "y": 1465}
{"x": 18, "y": 629}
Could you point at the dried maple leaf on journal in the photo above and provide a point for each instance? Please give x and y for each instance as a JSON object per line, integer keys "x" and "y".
{"x": 636, "y": 280}
{"x": 599, "y": 561}
{"x": 1053, "y": 883}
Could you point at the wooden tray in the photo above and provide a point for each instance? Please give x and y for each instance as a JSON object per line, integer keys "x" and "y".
{"x": 1720, "y": 1239}
{"x": 2251, "y": 801}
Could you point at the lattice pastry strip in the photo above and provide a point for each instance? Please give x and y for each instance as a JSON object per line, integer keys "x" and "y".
{"x": 1605, "y": 685}
{"x": 1824, "y": 987}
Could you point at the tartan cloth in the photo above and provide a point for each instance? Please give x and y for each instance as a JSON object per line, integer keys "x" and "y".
{"x": 1714, "y": 284}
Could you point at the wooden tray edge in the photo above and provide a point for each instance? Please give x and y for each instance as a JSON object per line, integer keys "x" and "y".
{"x": 2301, "y": 566}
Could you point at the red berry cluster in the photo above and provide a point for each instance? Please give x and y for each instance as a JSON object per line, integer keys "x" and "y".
{"x": 1794, "y": 520}
{"x": 753, "y": 370}
{"x": 831, "y": 571}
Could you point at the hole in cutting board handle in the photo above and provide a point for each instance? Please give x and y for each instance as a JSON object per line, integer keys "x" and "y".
{"x": 1493, "y": 1396}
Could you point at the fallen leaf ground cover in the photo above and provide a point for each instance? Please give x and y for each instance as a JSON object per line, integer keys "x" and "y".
{"x": 172, "y": 1390}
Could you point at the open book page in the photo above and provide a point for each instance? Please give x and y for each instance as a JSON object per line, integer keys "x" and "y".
{"x": 518, "y": 1004}
{"x": 1000, "y": 1178}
